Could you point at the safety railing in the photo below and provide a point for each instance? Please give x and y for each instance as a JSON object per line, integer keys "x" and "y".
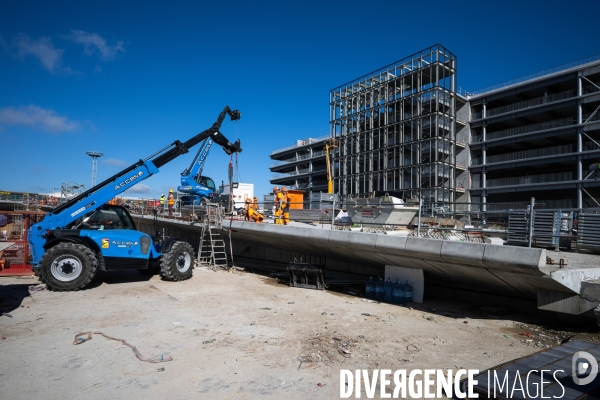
{"x": 537, "y": 74}
{"x": 299, "y": 157}
{"x": 528, "y": 180}
{"x": 301, "y": 143}
{"x": 557, "y": 123}
{"x": 526, "y": 104}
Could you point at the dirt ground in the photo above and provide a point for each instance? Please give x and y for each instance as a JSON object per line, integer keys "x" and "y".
{"x": 236, "y": 336}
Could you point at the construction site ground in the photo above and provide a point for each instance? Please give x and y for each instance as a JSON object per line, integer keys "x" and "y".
{"x": 238, "y": 335}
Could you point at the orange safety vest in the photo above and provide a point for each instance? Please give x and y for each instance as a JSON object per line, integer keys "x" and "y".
{"x": 279, "y": 200}
{"x": 171, "y": 199}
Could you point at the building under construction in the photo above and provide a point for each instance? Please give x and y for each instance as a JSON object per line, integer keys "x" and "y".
{"x": 399, "y": 130}
{"x": 407, "y": 129}
{"x": 301, "y": 166}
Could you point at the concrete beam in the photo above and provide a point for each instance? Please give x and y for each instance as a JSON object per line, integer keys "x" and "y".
{"x": 512, "y": 258}
{"x": 429, "y": 249}
{"x": 562, "y": 302}
{"x": 463, "y": 252}
{"x": 590, "y": 290}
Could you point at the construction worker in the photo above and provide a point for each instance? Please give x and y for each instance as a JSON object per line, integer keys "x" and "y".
{"x": 287, "y": 200}
{"x": 251, "y": 213}
{"x": 278, "y": 203}
{"x": 171, "y": 202}
{"x": 255, "y": 204}
{"x": 247, "y": 207}
{"x": 162, "y": 201}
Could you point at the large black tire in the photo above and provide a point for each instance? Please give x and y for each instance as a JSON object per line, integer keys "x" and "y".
{"x": 68, "y": 267}
{"x": 177, "y": 264}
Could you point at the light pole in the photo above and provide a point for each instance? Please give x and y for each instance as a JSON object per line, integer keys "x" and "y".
{"x": 95, "y": 155}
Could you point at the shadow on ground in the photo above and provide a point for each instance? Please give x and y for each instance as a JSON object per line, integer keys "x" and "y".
{"x": 117, "y": 277}
{"x": 11, "y": 297}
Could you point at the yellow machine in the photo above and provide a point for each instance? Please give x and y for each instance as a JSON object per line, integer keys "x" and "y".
{"x": 330, "y": 143}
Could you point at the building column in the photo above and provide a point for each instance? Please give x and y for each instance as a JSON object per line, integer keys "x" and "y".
{"x": 484, "y": 169}
{"x": 579, "y": 139}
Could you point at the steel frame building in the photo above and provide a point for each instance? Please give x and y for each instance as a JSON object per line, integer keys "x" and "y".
{"x": 406, "y": 129}
{"x": 398, "y": 130}
{"x": 537, "y": 138}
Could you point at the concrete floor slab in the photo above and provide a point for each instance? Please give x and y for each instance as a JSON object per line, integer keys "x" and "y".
{"x": 509, "y": 270}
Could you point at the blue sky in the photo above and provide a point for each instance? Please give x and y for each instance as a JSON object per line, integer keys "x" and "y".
{"x": 128, "y": 78}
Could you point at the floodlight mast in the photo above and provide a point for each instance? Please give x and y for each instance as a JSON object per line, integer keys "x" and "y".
{"x": 95, "y": 155}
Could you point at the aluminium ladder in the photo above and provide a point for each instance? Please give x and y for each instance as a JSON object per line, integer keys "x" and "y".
{"x": 212, "y": 243}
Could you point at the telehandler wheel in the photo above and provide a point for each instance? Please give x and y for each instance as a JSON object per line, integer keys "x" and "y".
{"x": 68, "y": 267}
{"x": 177, "y": 264}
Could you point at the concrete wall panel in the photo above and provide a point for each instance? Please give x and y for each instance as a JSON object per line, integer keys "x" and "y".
{"x": 363, "y": 241}
{"x": 319, "y": 240}
{"x": 526, "y": 285}
{"x": 511, "y": 258}
{"x": 463, "y": 252}
{"x": 429, "y": 249}
{"x": 340, "y": 239}
{"x": 473, "y": 278}
{"x": 395, "y": 244}
{"x": 518, "y": 272}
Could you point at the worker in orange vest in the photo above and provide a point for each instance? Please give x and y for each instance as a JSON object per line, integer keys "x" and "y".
{"x": 278, "y": 202}
{"x": 171, "y": 202}
{"x": 251, "y": 213}
{"x": 247, "y": 207}
{"x": 287, "y": 200}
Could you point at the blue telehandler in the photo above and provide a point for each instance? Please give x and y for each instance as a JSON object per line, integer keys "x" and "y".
{"x": 86, "y": 234}
{"x": 193, "y": 183}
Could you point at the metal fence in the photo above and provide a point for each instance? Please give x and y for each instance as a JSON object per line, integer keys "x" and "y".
{"x": 14, "y": 248}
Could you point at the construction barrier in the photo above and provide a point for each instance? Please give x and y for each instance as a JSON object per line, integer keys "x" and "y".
{"x": 14, "y": 248}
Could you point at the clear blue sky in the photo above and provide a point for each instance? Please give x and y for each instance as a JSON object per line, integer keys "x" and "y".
{"x": 127, "y": 78}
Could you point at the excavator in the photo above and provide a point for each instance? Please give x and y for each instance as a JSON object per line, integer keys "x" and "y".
{"x": 86, "y": 234}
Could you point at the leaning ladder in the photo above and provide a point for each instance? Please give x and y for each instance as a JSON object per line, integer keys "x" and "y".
{"x": 212, "y": 252}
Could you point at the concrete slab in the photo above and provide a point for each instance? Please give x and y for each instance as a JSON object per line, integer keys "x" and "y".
{"x": 363, "y": 241}
{"x": 319, "y": 239}
{"x": 424, "y": 248}
{"x": 590, "y": 290}
{"x": 522, "y": 259}
{"x": 572, "y": 278}
{"x": 470, "y": 277}
{"x": 388, "y": 243}
{"x": 562, "y": 302}
{"x": 463, "y": 252}
{"x": 518, "y": 272}
{"x": 340, "y": 239}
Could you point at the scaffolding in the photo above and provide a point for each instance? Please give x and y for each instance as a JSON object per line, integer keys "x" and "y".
{"x": 396, "y": 129}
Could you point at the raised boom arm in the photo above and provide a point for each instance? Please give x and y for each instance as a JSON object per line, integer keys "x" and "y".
{"x": 195, "y": 169}
{"x": 97, "y": 196}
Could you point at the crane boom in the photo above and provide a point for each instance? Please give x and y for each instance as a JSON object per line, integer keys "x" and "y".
{"x": 97, "y": 196}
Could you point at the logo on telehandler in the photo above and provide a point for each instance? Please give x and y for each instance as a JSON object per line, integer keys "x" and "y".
{"x": 129, "y": 180}
{"x": 105, "y": 243}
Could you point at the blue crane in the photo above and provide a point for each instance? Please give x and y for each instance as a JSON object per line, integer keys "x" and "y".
{"x": 86, "y": 234}
{"x": 193, "y": 182}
